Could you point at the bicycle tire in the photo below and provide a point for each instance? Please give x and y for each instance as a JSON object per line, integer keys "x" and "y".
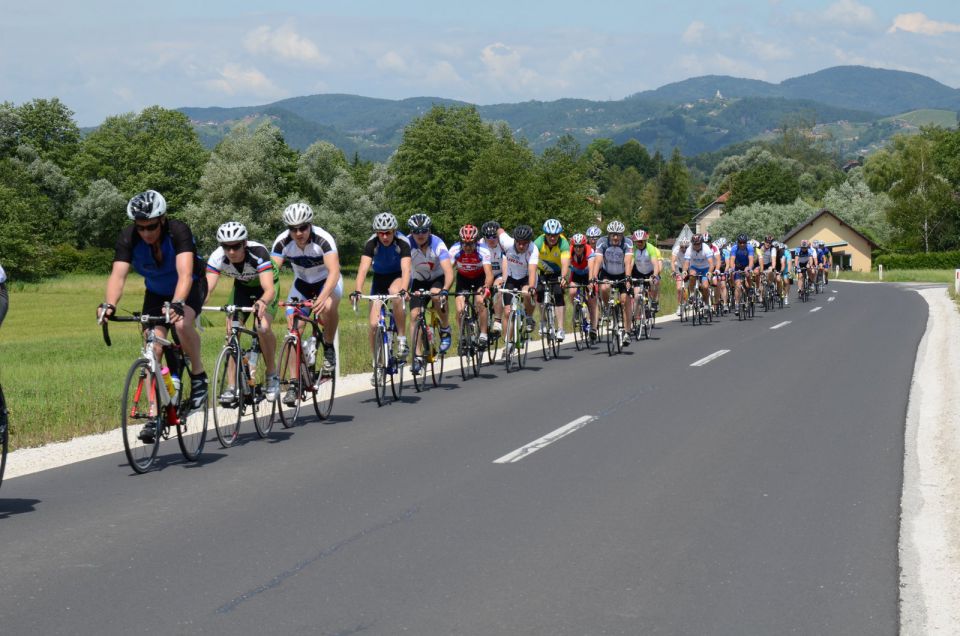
{"x": 4, "y": 434}
{"x": 436, "y": 376}
{"x": 260, "y": 407}
{"x": 524, "y": 344}
{"x": 463, "y": 345}
{"x": 546, "y": 350}
{"x": 192, "y": 423}
{"x": 288, "y": 359}
{"x": 579, "y": 337}
{"x": 324, "y": 390}
{"x": 227, "y": 418}
{"x": 135, "y": 415}
{"x": 611, "y": 331}
{"x": 397, "y": 366}
{"x": 554, "y": 341}
{"x": 509, "y": 342}
{"x": 380, "y": 368}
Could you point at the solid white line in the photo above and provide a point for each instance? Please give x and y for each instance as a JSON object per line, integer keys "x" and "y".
{"x": 831, "y": 299}
{"x": 782, "y": 324}
{"x": 545, "y": 441}
{"x": 712, "y": 356}
{"x": 815, "y": 309}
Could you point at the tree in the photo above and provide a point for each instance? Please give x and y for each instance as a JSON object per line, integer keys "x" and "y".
{"x": 500, "y": 184}
{"x": 764, "y": 183}
{"x": 625, "y": 196}
{"x": 317, "y": 167}
{"x": 675, "y": 204}
{"x": 760, "y": 219}
{"x": 863, "y": 210}
{"x": 99, "y": 215}
{"x": 47, "y": 126}
{"x": 561, "y": 185}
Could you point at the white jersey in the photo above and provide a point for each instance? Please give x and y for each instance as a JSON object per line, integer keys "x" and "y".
{"x": 699, "y": 259}
{"x": 425, "y": 261}
{"x": 518, "y": 263}
{"x": 614, "y": 256}
{"x": 307, "y": 263}
{"x": 496, "y": 258}
{"x": 3, "y": 275}
{"x": 256, "y": 261}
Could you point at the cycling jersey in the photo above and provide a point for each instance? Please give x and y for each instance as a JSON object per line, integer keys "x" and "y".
{"x": 496, "y": 257}
{"x": 581, "y": 267}
{"x": 699, "y": 260}
{"x": 741, "y": 257}
{"x": 386, "y": 258}
{"x": 255, "y": 261}
{"x": 824, "y": 254}
{"x": 517, "y": 263}
{"x": 160, "y": 277}
{"x": 307, "y": 263}
{"x": 644, "y": 260}
{"x": 3, "y": 275}
{"x": 614, "y": 256}
{"x": 768, "y": 257}
{"x": 470, "y": 265}
{"x": 803, "y": 255}
{"x": 425, "y": 262}
{"x": 550, "y": 257}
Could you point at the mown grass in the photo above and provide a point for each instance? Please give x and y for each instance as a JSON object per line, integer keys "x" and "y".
{"x": 61, "y": 381}
{"x": 900, "y": 276}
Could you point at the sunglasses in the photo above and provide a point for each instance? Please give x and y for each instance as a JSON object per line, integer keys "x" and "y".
{"x": 420, "y": 232}
{"x": 232, "y": 247}
{"x": 384, "y": 232}
{"x": 296, "y": 229}
{"x": 149, "y": 227}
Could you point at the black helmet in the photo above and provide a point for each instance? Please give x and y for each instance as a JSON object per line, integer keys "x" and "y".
{"x": 741, "y": 238}
{"x": 489, "y": 229}
{"x": 419, "y": 222}
{"x": 522, "y": 233}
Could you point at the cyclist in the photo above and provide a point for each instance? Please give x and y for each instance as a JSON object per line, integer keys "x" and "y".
{"x": 474, "y": 273}
{"x": 387, "y": 252}
{"x": 255, "y": 279}
{"x": 825, "y": 258}
{"x": 580, "y": 256}
{"x": 699, "y": 258}
{"x": 162, "y": 250}
{"x": 612, "y": 261}
{"x": 554, "y": 266}
{"x": 676, "y": 267}
{"x": 491, "y": 239}
{"x": 4, "y": 298}
{"x": 768, "y": 262}
{"x": 786, "y": 272}
{"x": 431, "y": 269}
{"x": 805, "y": 258}
{"x": 719, "y": 274}
{"x": 593, "y": 234}
{"x": 647, "y": 266}
{"x": 520, "y": 261}
{"x": 741, "y": 262}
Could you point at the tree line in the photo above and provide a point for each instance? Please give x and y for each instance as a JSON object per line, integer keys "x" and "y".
{"x": 63, "y": 194}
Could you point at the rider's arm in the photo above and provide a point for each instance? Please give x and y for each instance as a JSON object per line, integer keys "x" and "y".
{"x": 405, "y": 272}
{"x": 332, "y": 261}
{"x": 118, "y": 275}
{"x": 212, "y": 279}
{"x": 184, "y": 275}
{"x": 364, "y": 267}
{"x": 266, "y": 282}
{"x": 447, "y": 267}
{"x": 487, "y": 275}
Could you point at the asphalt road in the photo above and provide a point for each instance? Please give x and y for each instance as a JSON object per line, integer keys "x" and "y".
{"x": 755, "y": 494}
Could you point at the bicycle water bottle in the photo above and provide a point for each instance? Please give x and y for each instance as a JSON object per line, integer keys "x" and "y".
{"x": 176, "y": 388}
{"x": 253, "y": 356}
{"x": 310, "y": 350}
{"x": 168, "y": 381}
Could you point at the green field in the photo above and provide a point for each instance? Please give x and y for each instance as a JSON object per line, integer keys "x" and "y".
{"x": 62, "y": 381}
{"x": 901, "y": 276}
{"x": 927, "y": 117}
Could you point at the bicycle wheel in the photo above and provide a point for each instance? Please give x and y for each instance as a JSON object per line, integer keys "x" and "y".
{"x": 4, "y": 434}
{"x": 227, "y": 414}
{"x": 420, "y": 354}
{"x": 493, "y": 344}
{"x": 396, "y": 365}
{"x": 546, "y": 350}
{"x": 437, "y": 358}
{"x": 289, "y": 360}
{"x": 524, "y": 343}
{"x": 380, "y": 362}
{"x": 137, "y": 412}
{"x": 260, "y": 406}
{"x": 611, "y": 331}
{"x": 580, "y": 338}
{"x": 463, "y": 345}
{"x": 324, "y": 389}
{"x": 554, "y": 341}
{"x": 192, "y": 423}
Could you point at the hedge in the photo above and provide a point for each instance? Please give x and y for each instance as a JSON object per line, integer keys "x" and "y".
{"x": 919, "y": 260}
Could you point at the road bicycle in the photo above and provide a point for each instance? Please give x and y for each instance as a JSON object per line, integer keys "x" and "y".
{"x": 297, "y": 368}
{"x": 643, "y": 314}
{"x": 581, "y": 317}
{"x": 468, "y": 344}
{"x": 806, "y": 288}
{"x": 769, "y": 293}
{"x": 493, "y": 335}
{"x": 699, "y": 309}
{"x": 548, "y": 321}
{"x": 426, "y": 343}
{"x": 386, "y": 361}
{"x": 516, "y": 338}
{"x": 153, "y": 399}
{"x": 610, "y": 328}
{"x": 239, "y": 381}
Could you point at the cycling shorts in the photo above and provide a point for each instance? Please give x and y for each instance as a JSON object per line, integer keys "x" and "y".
{"x": 418, "y": 302}
{"x": 382, "y": 282}
{"x": 607, "y": 276}
{"x": 302, "y": 290}
{"x": 153, "y": 303}
{"x": 556, "y": 291}
{"x": 245, "y": 296}
{"x": 469, "y": 284}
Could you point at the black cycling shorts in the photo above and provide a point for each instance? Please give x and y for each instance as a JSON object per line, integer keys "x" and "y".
{"x": 418, "y": 302}
{"x": 469, "y": 284}
{"x": 556, "y": 291}
{"x": 381, "y": 283}
{"x": 153, "y": 303}
{"x": 621, "y": 287}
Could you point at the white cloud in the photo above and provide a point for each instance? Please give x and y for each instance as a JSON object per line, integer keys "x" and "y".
{"x": 393, "y": 62}
{"x": 504, "y": 67}
{"x": 694, "y": 32}
{"x": 236, "y": 80}
{"x": 850, "y": 13}
{"x": 284, "y": 42}
{"x": 767, "y": 51}
{"x": 444, "y": 74}
{"x": 919, "y": 23}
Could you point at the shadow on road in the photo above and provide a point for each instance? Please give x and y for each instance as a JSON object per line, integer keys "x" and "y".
{"x": 11, "y": 507}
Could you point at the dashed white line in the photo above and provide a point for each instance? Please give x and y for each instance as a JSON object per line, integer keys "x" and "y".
{"x": 815, "y": 309}
{"x": 831, "y": 299}
{"x": 782, "y": 324}
{"x": 545, "y": 441}
{"x": 712, "y": 356}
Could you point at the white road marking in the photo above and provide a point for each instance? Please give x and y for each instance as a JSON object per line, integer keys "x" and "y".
{"x": 782, "y": 324}
{"x": 712, "y": 356}
{"x": 545, "y": 441}
{"x": 831, "y": 299}
{"x": 815, "y": 309}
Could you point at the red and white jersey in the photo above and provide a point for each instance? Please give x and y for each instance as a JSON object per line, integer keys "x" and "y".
{"x": 470, "y": 264}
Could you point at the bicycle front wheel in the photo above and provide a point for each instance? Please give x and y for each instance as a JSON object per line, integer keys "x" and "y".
{"x": 228, "y": 387}
{"x": 380, "y": 368}
{"x": 464, "y": 349}
{"x": 289, "y": 361}
{"x": 396, "y": 366}
{"x": 192, "y": 423}
{"x": 140, "y": 413}
{"x": 260, "y": 406}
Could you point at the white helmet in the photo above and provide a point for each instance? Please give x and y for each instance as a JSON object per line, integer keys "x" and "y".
{"x": 552, "y": 226}
{"x": 297, "y": 214}
{"x": 593, "y": 232}
{"x": 685, "y": 241}
{"x": 384, "y": 222}
{"x": 615, "y": 227}
{"x": 754, "y": 243}
{"x": 146, "y": 205}
{"x": 231, "y": 232}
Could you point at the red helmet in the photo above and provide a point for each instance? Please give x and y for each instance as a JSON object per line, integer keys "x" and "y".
{"x": 578, "y": 239}
{"x": 640, "y": 235}
{"x": 469, "y": 233}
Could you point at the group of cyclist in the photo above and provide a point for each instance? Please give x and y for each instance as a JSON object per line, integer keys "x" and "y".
{"x": 747, "y": 263}
{"x": 419, "y": 265}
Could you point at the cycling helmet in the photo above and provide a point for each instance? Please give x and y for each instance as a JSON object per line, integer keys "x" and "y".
{"x": 768, "y": 239}
{"x": 697, "y": 239}
{"x": 821, "y": 244}
{"x": 804, "y": 243}
{"x": 706, "y": 237}
{"x": 741, "y": 238}
{"x": 469, "y": 233}
{"x": 685, "y": 242}
{"x": 231, "y": 232}
{"x": 297, "y": 214}
{"x": 615, "y": 227}
{"x": 640, "y": 235}
{"x": 147, "y": 205}
{"x": 489, "y": 229}
{"x": 578, "y": 239}
{"x": 522, "y": 233}
{"x": 384, "y": 222}
{"x": 419, "y": 222}
{"x": 755, "y": 243}
{"x": 593, "y": 232}
{"x": 720, "y": 243}
{"x": 552, "y": 226}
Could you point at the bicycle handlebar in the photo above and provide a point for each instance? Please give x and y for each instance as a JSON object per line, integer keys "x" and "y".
{"x": 144, "y": 319}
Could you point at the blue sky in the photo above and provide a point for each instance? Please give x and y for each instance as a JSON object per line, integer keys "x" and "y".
{"x": 103, "y": 57}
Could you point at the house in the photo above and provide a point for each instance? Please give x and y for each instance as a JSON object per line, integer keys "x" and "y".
{"x": 706, "y": 217}
{"x": 850, "y": 249}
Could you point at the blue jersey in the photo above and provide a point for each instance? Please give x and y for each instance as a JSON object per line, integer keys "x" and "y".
{"x": 386, "y": 258}
{"x": 159, "y": 275}
{"x": 741, "y": 258}
{"x": 824, "y": 254}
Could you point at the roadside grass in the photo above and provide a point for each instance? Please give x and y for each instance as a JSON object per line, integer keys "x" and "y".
{"x": 900, "y": 276}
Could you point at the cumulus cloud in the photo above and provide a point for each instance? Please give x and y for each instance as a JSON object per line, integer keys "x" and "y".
{"x": 919, "y": 23}
{"x": 236, "y": 80}
{"x": 443, "y": 73}
{"x": 850, "y": 13}
{"x": 285, "y": 43}
{"x": 504, "y": 67}
{"x": 393, "y": 62}
{"x": 694, "y": 32}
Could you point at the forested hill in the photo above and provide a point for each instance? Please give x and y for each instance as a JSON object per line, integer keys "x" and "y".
{"x": 688, "y": 114}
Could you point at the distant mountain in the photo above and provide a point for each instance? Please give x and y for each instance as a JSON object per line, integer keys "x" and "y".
{"x": 687, "y": 114}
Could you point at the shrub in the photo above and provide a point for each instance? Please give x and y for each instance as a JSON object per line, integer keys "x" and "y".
{"x": 919, "y": 260}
